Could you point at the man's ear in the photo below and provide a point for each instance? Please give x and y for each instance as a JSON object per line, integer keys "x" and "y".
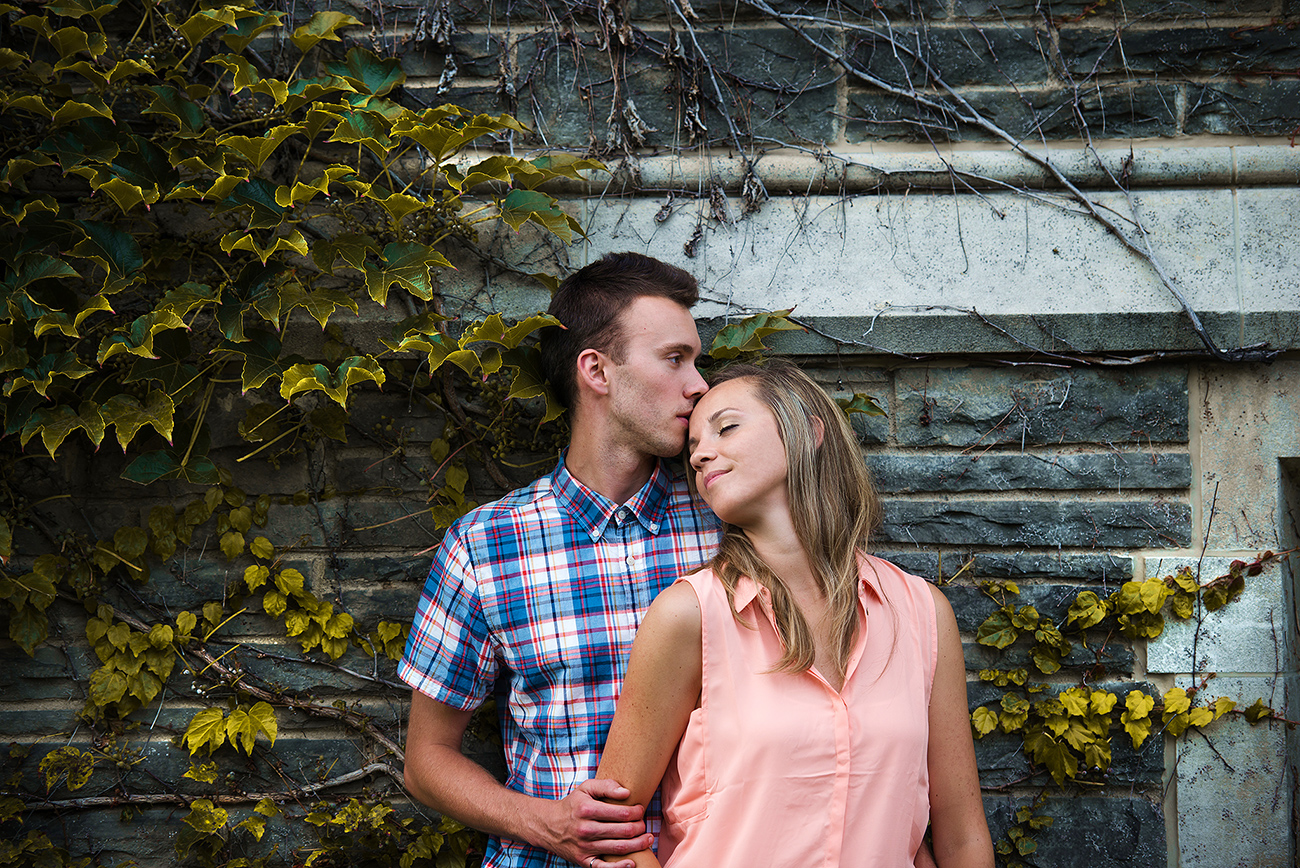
{"x": 592, "y": 373}
{"x": 819, "y": 429}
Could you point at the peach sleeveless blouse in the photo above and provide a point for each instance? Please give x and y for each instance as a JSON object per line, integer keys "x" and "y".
{"x": 779, "y": 769}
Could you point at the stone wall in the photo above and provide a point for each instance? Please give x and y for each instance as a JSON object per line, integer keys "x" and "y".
{"x": 1052, "y": 418}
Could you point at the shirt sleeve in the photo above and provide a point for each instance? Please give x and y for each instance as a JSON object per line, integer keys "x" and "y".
{"x": 449, "y": 652}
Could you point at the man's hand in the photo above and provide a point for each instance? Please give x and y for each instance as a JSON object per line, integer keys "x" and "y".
{"x": 585, "y": 825}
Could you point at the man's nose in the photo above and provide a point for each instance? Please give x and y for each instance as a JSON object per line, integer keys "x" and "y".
{"x": 696, "y": 387}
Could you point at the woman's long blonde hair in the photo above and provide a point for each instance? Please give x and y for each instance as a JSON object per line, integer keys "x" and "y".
{"x": 833, "y": 504}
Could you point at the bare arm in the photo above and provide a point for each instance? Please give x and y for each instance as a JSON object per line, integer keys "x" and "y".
{"x": 958, "y": 824}
{"x": 581, "y": 825}
{"x": 660, "y": 691}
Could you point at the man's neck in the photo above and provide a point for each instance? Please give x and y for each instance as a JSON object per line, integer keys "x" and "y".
{"x": 607, "y": 467}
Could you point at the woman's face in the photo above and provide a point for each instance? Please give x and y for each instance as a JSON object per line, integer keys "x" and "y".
{"x": 737, "y": 455}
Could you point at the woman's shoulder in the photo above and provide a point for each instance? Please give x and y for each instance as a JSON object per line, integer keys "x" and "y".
{"x": 675, "y": 611}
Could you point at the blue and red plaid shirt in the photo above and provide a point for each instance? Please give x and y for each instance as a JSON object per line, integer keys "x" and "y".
{"x": 547, "y": 587}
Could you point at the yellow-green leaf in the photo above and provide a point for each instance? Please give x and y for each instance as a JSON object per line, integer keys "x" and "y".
{"x": 206, "y": 729}
{"x": 322, "y": 25}
{"x": 262, "y": 716}
{"x": 205, "y": 772}
{"x": 984, "y": 720}
{"x": 232, "y": 544}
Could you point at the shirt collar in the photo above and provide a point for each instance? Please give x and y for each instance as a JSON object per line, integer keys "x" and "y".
{"x": 747, "y": 590}
{"x": 593, "y": 511}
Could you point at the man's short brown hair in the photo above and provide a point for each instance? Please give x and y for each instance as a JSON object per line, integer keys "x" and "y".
{"x": 589, "y": 302}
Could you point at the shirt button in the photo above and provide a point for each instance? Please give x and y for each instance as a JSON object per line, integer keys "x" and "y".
{"x": 631, "y": 562}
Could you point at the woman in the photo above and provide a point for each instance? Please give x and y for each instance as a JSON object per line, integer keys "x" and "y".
{"x": 803, "y": 702}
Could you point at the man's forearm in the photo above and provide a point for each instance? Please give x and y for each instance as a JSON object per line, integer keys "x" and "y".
{"x": 453, "y": 784}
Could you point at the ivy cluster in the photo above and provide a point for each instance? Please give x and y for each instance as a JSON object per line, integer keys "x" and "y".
{"x": 1069, "y": 731}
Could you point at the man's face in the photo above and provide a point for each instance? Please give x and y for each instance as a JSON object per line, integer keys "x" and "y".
{"x": 655, "y": 387}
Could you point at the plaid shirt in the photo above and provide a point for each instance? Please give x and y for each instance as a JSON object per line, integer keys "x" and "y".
{"x": 548, "y": 586}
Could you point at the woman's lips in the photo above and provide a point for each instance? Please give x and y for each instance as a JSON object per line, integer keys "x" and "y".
{"x": 712, "y": 475}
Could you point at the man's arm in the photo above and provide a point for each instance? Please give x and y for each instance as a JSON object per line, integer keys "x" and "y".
{"x": 577, "y": 827}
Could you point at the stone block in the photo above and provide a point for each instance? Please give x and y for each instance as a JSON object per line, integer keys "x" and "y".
{"x": 1099, "y": 658}
{"x": 1007, "y": 53}
{"x": 1127, "y": 831}
{"x": 929, "y": 261}
{"x": 413, "y": 420}
{"x": 403, "y": 523}
{"x": 910, "y": 473}
{"x": 474, "y": 54}
{"x": 373, "y": 471}
{"x": 281, "y": 475}
{"x": 1101, "y": 524}
{"x": 1266, "y": 267}
{"x": 1234, "y": 784}
{"x": 724, "y": 11}
{"x": 780, "y": 88}
{"x": 973, "y": 605}
{"x": 982, "y": 407}
{"x": 1200, "y": 50}
{"x": 1108, "y": 570}
{"x": 1246, "y": 107}
{"x": 878, "y": 116}
{"x": 1246, "y": 414}
{"x": 47, "y": 674}
{"x": 372, "y": 604}
{"x": 1105, "y": 569}
{"x": 1246, "y": 636}
{"x": 396, "y": 570}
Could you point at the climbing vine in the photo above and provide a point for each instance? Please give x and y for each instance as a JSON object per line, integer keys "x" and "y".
{"x": 1068, "y": 731}
{"x": 222, "y": 228}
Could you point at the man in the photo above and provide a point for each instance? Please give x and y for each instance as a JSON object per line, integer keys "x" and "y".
{"x": 548, "y": 585}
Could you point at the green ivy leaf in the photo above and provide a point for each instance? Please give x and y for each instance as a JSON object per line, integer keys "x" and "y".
{"x": 67, "y": 760}
{"x": 984, "y": 721}
{"x": 203, "y": 772}
{"x": 367, "y": 72}
{"x": 172, "y": 103}
{"x": 107, "y": 686}
{"x": 274, "y": 603}
{"x": 257, "y": 196}
{"x": 330, "y": 420}
{"x": 406, "y": 264}
{"x": 366, "y": 128}
{"x": 129, "y": 415}
{"x": 232, "y": 544}
{"x": 262, "y": 716}
{"x": 997, "y": 630}
{"x": 40, "y": 376}
{"x": 746, "y": 336}
{"x": 205, "y": 817}
{"x": 29, "y": 627}
{"x": 169, "y": 464}
{"x": 256, "y": 150}
{"x": 860, "y": 403}
{"x": 290, "y": 582}
{"x": 240, "y": 240}
{"x": 206, "y": 729}
{"x": 522, "y": 206}
{"x": 335, "y": 383}
{"x": 321, "y": 26}
{"x": 117, "y": 252}
{"x": 238, "y": 36}
{"x": 240, "y": 730}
